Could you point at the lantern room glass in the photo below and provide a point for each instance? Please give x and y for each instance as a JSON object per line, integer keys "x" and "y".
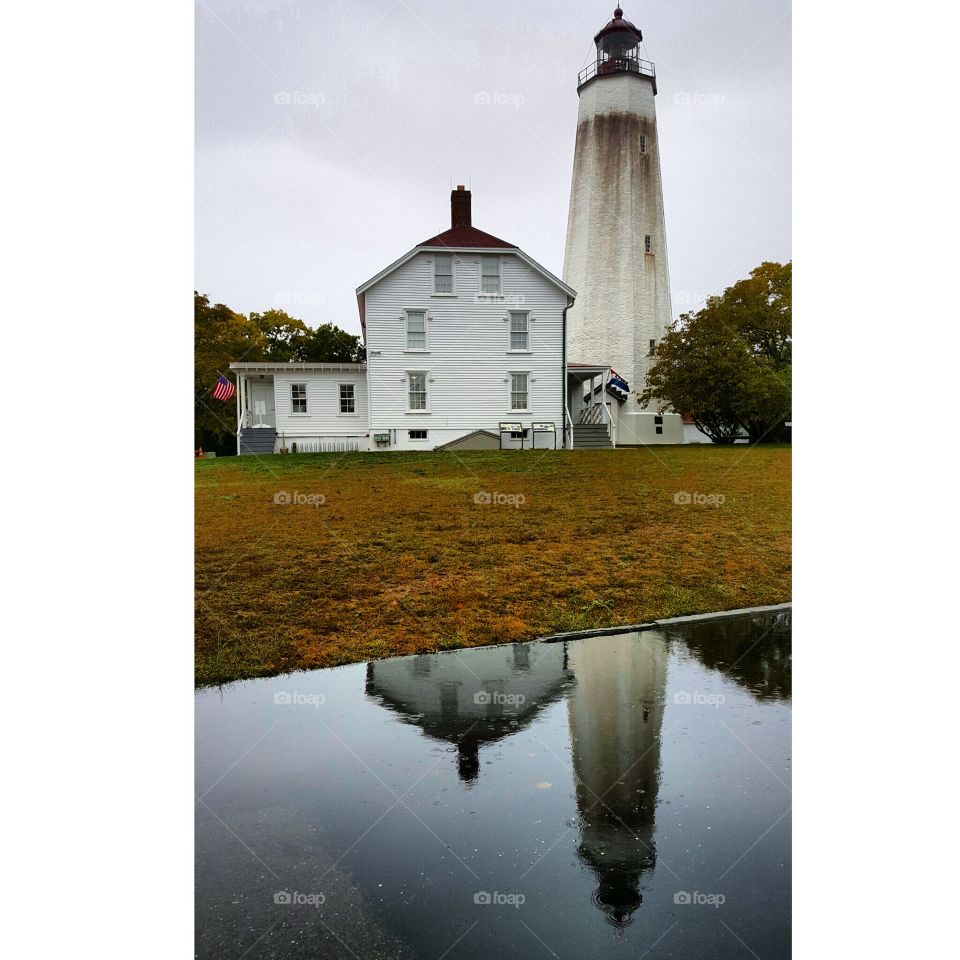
{"x": 618, "y": 45}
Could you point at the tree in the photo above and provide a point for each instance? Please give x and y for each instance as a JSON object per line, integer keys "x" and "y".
{"x": 223, "y": 336}
{"x": 284, "y": 335}
{"x": 728, "y": 365}
{"x": 329, "y": 344}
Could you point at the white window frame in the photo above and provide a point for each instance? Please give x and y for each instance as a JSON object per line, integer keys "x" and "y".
{"x": 499, "y": 261}
{"x": 408, "y": 374}
{"x": 423, "y": 439}
{"x": 510, "y": 347}
{"x": 406, "y": 332}
{"x": 510, "y": 375}
{"x": 452, "y": 292}
{"x": 340, "y": 411}
{"x": 305, "y": 412}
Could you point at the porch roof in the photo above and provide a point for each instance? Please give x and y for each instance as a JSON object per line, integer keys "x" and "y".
{"x": 579, "y": 372}
{"x": 298, "y": 367}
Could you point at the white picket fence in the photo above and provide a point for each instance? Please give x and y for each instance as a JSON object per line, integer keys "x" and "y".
{"x": 326, "y": 446}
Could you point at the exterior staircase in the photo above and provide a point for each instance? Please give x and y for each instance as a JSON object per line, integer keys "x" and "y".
{"x": 257, "y": 441}
{"x": 590, "y": 431}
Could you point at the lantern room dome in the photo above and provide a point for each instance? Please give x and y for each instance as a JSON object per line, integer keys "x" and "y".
{"x": 618, "y": 25}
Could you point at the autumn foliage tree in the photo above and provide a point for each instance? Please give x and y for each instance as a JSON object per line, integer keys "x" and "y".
{"x": 222, "y": 336}
{"x": 728, "y": 365}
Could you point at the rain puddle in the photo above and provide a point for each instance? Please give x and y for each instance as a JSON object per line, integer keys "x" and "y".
{"x": 621, "y": 796}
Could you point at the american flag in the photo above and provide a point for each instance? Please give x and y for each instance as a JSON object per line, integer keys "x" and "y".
{"x": 224, "y": 389}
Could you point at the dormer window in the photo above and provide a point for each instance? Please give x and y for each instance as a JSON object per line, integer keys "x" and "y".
{"x": 443, "y": 273}
{"x": 490, "y": 275}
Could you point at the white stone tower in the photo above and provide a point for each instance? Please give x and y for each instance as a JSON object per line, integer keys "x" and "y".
{"x": 616, "y": 252}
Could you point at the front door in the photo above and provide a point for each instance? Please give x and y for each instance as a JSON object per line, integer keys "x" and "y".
{"x": 260, "y": 404}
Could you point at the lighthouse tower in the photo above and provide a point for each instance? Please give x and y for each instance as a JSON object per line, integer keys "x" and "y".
{"x": 616, "y": 252}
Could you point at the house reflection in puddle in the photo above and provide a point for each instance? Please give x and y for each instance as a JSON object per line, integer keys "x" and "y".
{"x": 616, "y": 713}
{"x": 472, "y": 700}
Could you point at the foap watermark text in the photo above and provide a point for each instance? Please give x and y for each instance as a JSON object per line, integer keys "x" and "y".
{"x": 699, "y": 499}
{"x": 285, "y": 499}
{"x": 293, "y": 698}
{"x": 484, "y": 498}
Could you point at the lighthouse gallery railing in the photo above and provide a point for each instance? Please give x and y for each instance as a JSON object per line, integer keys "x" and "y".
{"x": 602, "y": 68}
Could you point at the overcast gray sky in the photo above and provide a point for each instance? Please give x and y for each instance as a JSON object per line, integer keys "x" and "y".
{"x": 328, "y": 136}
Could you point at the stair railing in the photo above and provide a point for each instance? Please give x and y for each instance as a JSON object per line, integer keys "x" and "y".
{"x": 613, "y": 426}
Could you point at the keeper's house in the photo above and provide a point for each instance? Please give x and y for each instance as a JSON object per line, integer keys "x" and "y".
{"x": 465, "y": 350}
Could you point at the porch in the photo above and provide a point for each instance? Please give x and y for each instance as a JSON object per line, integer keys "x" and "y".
{"x": 589, "y": 417}
{"x": 256, "y": 412}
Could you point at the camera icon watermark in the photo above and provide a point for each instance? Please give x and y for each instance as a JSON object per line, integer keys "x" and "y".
{"x": 287, "y": 98}
{"x": 696, "y": 899}
{"x": 286, "y": 898}
{"x": 484, "y": 498}
{"x": 293, "y": 698}
{"x": 686, "y": 698}
{"x": 683, "y": 498}
{"x": 687, "y": 98}
{"x": 487, "y": 697}
{"x": 287, "y": 298}
{"x": 484, "y": 898}
{"x": 285, "y": 499}
{"x": 486, "y": 98}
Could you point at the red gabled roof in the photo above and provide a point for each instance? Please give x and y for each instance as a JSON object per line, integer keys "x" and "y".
{"x": 466, "y": 237}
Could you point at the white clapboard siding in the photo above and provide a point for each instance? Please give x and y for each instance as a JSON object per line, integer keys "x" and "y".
{"x": 323, "y": 417}
{"x": 467, "y": 359}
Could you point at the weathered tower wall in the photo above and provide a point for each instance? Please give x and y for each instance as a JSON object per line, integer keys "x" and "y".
{"x": 616, "y": 202}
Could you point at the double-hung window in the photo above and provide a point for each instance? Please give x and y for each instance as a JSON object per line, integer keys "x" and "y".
{"x": 348, "y": 398}
{"x": 519, "y": 391}
{"x": 489, "y": 274}
{"x": 416, "y": 330}
{"x": 519, "y": 330}
{"x": 298, "y": 397}
{"x": 443, "y": 273}
{"x": 417, "y": 391}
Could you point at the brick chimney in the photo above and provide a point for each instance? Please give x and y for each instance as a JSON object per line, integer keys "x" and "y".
{"x": 460, "y": 207}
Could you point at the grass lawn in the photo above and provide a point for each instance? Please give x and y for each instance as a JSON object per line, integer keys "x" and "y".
{"x": 393, "y": 555}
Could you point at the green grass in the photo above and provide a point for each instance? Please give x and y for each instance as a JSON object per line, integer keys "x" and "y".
{"x": 400, "y": 559}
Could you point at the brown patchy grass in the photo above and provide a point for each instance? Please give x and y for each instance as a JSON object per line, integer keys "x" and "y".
{"x": 400, "y": 559}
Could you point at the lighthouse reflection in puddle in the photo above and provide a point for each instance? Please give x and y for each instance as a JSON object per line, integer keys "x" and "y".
{"x": 616, "y": 713}
{"x": 615, "y": 690}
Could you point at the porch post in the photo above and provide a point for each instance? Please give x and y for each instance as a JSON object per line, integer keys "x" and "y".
{"x": 239, "y": 408}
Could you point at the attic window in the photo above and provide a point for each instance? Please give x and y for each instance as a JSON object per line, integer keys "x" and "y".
{"x": 489, "y": 274}
{"x": 443, "y": 273}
